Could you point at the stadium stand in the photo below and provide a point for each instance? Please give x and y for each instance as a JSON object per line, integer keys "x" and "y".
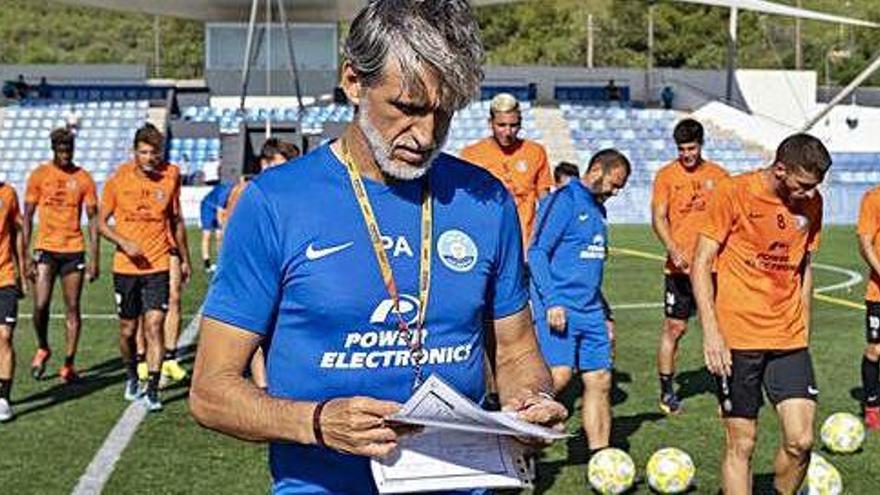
{"x": 645, "y": 136}
{"x": 229, "y": 119}
{"x": 104, "y": 132}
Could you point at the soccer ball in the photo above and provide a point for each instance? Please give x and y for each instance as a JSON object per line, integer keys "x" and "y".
{"x": 670, "y": 470}
{"x": 822, "y": 478}
{"x": 842, "y": 433}
{"x": 611, "y": 471}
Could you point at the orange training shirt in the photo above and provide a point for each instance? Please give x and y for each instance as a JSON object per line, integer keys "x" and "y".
{"x": 869, "y": 224}
{"x": 763, "y": 242}
{"x": 524, "y": 172}
{"x": 58, "y": 196}
{"x": 686, "y": 194}
{"x": 10, "y": 216}
{"x": 143, "y": 207}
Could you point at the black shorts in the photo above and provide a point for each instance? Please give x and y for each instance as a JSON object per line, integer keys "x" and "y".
{"x": 137, "y": 294}
{"x": 62, "y": 263}
{"x": 872, "y": 322}
{"x": 679, "y": 302}
{"x": 9, "y": 297}
{"x": 781, "y": 374}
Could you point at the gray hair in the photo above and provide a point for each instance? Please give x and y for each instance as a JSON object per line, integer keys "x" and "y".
{"x": 440, "y": 36}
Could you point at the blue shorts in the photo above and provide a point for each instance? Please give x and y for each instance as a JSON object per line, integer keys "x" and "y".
{"x": 584, "y": 345}
{"x": 208, "y": 218}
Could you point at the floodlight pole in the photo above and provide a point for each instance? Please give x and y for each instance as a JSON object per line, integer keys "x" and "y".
{"x": 798, "y": 48}
{"x": 268, "y": 36}
{"x": 650, "y": 69}
{"x": 844, "y": 93}
{"x": 590, "y": 41}
{"x": 291, "y": 62}
{"x": 248, "y": 48}
{"x": 731, "y": 54}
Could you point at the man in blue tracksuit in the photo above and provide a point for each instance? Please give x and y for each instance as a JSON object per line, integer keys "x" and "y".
{"x": 566, "y": 258}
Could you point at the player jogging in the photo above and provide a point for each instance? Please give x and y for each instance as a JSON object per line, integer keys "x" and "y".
{"x": 567, "y": 258}
{"x": 869, "y": 244}
{"x": 56, "y": 192}
{"x": 12, "y": 283}
{"x": 682, "y": 189}
{"x": 521, "y": 164}
{"x": 210, "y": 207}
{"x": 143, "y": 198}
{"x": 762, "y": 229}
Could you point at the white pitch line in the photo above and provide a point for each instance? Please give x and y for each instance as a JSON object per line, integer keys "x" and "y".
{"x": 101, "y": 467}
{"x": 647, "y": 305}
{"x": 854, "y": 277}
{"x": 87, "y": 316}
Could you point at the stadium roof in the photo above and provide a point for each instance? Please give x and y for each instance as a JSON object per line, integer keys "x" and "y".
{"x": 238, "y": 10}
{"x": 334, "y": 10}
{"x": 784, "y": 10}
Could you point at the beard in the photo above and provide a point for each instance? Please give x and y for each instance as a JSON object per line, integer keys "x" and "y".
{"x": 382, "y": 151}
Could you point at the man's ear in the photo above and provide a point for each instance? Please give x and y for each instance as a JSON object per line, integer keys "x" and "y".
{"x": 350, "y": 83}
{"x": 779, "y": 170}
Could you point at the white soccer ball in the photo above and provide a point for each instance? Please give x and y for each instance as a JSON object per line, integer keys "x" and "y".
{"x": 842, "y": 433}
{"x": 611, "y": 471}
{"x": 670, "y": 470}
{"x": 822, "y": 478}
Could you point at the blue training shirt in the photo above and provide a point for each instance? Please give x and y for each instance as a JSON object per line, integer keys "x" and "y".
{"x": 216, "y": 198}
{"x": 298, "y": 267}
{"x": 567, "y": 254}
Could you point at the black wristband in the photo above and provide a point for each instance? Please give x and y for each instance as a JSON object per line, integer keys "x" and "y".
{"x": 316, "y": 423}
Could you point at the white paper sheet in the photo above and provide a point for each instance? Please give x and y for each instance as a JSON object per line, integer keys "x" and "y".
{"x": 461, "y": 447}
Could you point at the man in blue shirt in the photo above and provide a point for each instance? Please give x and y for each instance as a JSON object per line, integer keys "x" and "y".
{"x": 566, "y": 259}
{"x": 322, "y": 267}
{"x": 209, "y": 209}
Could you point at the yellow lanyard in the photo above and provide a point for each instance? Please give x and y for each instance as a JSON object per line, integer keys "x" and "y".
{"x": 412, "y": 338}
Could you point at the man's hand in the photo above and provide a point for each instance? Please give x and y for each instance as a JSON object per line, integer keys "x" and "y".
{"x": 92, "y": 270}
{"x": 131, "y": 249}
{"x": 31, "y": 270}
{"x": 679, "y": 260}
{"x": 538, "y": 409}
{"x": 556, "y": 318}
{"x": 716, "y": 353}
{"x": 185, "y": 272}
{"x": 357, "y": 426}
{"x": 24, "y": 288}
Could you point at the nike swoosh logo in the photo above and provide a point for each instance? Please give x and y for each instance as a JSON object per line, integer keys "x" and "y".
{"x": 313, "y": 254}
{"x": 583, "y": 217}
{"x": 812, "y": 391}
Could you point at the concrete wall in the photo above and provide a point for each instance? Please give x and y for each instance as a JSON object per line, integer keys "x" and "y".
{"x": 863, "y": 96}
{"x": 693, "y": 87}
{"x": 228, "y": 82}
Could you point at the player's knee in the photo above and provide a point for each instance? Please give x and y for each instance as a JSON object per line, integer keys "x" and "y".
{"x": 872, "y": 352}
{"x": 41, "y": 303}
{"x": 127, "y": 329}
{"x": 799, "y": 445}
{"x": 675, "y": 328}
{"x": 597, "y": 381}
{"x": 561, "y": 376}
{"x": 5, "y": 340}
{"x": 740, "y": 446}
